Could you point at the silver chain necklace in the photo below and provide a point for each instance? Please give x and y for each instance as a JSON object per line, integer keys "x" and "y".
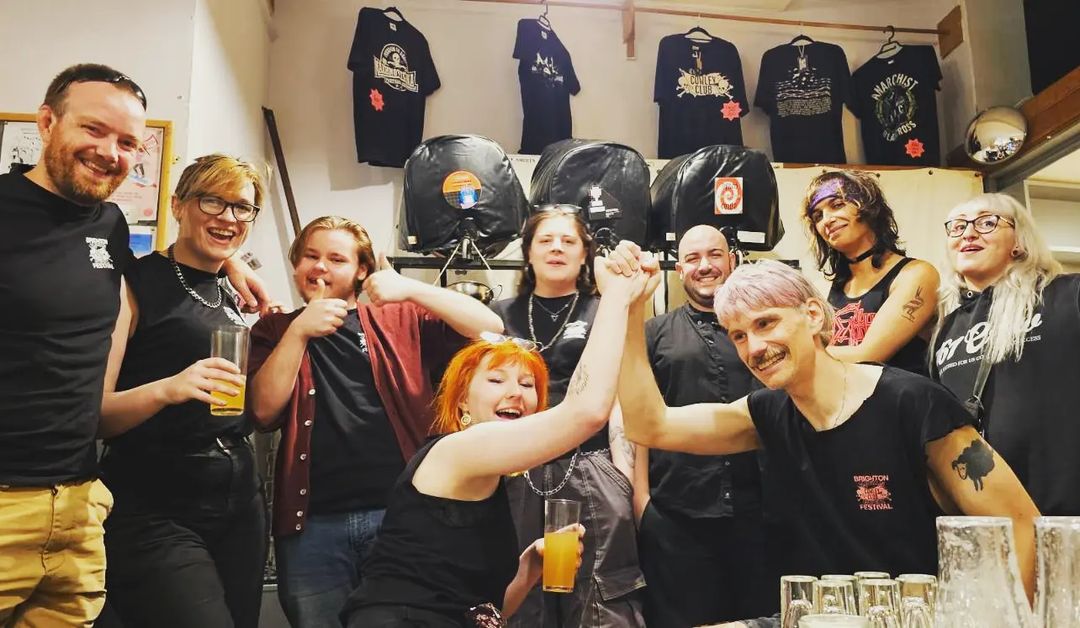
{"x": 184, "y": 283}
{"x": 558, "y": 332}
{"x": 566, "y": 478}
{"x": 555, "y": 314}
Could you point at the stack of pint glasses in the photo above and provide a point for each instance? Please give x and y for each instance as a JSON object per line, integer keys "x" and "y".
{"x": 867, "y": 599}
{"x": 1057, "y": 592}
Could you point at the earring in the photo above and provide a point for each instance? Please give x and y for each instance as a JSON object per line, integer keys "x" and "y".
{"x": 1017, "y": 252}
{"x": 466, "y": 419}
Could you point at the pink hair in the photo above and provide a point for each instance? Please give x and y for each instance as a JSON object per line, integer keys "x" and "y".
{"x": 767, "y": 284}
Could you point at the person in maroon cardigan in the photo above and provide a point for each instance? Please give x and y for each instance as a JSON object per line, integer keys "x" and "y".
{"x": 349, "y": 385}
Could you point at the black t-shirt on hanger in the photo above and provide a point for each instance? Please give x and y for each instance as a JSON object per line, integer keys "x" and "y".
{"x": 393, "y": 74}
{"x": 699, "y": 88}
{"x": 547, "y": 81}
{"x": 896, "y": 99}
{"x": 804, "y": 88}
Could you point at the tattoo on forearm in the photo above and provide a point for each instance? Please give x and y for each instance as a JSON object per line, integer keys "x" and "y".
{"x": 913, "y": 305}
{"x": 579, "y": 381}
{"x": 974, "y": 463}
{"x": 618, "y": 438}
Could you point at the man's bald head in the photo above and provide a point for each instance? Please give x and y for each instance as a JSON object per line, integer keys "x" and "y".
{"x": 704, "y": 263}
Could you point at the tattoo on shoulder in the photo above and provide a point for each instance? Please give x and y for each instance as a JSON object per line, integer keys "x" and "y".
{"x": 579, "y": 381}
{"x": 975, "y": 463}
{"x": 913, "y": 305}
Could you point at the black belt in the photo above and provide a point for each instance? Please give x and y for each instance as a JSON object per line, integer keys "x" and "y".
{"x": 221, "y": 443}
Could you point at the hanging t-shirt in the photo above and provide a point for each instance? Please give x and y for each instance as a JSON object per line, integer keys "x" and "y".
{"x": 699, "y": 88}
{"x": 896, "y": 99}
{"x": 803, "y": 88}
{"x": 854, "y": 315}
{"x": 855, "y": 497}
{"x": 547, "y": 81}
{"x": 393, "y": 74}
{"x": 1030, "y": 406}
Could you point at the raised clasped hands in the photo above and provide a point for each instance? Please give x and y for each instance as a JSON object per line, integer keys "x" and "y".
{"x": 628, "y": 269}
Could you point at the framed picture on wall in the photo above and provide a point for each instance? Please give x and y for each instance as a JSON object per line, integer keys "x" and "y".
{"x": 143, "y": 196}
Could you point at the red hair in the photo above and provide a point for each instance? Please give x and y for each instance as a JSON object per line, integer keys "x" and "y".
{"x": 459, "y": 374}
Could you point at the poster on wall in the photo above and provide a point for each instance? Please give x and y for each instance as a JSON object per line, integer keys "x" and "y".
{"x": 143, "y": 195}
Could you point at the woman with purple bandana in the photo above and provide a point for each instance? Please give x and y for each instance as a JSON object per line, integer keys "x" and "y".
{"x": 884, "y": 300}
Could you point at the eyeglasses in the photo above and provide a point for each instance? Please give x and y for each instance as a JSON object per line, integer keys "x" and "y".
{"x": 493, "y": 338}
{"x": 983, "y": 224}
{"x": 214, "y": 206}
{"x": 101, "y": 75}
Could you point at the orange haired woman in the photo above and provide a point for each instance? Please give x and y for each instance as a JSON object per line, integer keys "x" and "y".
{"x": 448, "y": 544}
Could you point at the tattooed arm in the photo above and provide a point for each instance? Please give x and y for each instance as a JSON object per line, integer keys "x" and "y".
{"x": 968, "y": 477}
{"x": 907, "y": 312}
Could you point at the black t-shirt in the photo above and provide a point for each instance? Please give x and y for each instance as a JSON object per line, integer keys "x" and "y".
{"x": 393, "y": 74}
{"x": 855, "y": 497}
{"x": 1031, "y": 405}
{"x": 694, "y": 362}
{"x": 355, "y": 457}
{"x": 60, "y": 269}
{"x": 699, "y": 88}
{"x": 564, "y": 353}
{"x": 171, "y": 334}
{"x": 855, "y": 314}
{"x": 547, "y": 81}
{"x": 896, "y": 99}
{"x": 439, "y": 554}
{"x": 803, "y": 88}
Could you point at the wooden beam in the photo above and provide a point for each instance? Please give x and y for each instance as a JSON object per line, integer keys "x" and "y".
{"x": 628, "y": 29}
{"x": 950, "y": 31}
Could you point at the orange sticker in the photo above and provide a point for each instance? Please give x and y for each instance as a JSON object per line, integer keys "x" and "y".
{"x": 728, "y": 197}
{"x": 461, "y": 189}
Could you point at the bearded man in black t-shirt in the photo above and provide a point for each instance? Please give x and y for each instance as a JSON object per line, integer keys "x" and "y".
{"x": 860, "y": 459}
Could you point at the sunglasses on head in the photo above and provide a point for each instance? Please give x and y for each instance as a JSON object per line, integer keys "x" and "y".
{"x": 95, "y": 75}
{"x": 565, "y": 208}
{"x": 493, "y": 338}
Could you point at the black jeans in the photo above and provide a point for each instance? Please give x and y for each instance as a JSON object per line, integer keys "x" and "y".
{"x": 186, "y": 543}
{"x": 400, "y": 617}
{"x": 703, "y": 571}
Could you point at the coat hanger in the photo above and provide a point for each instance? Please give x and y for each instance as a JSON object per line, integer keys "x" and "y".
{"x": 697, "y": 30}
{"x": 891, "y": 46}
{"x": 801, "y": 40}
{"x": 393, "y": 10}
{"x": 543, "y": 19}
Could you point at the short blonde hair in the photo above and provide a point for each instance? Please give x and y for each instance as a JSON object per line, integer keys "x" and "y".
{"x": 364, "y": 253}
{"x": 218, "y": 172}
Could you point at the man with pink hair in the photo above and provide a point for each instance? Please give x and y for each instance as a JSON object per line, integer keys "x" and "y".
{"x": 858, "y": 458}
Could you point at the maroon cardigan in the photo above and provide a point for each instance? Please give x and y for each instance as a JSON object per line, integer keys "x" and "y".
{"x": 405, "y": 342}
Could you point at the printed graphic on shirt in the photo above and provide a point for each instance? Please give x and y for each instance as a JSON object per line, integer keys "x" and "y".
{"x": 393, "y": 68}
{"x": 894, "y": 105}
{"x": 234, "y": 316}
{"x": 363, "y": 342}
{"x": 948, "y": 355}
{"x": 99, "y": 253}
{"x": 873, "y": 493}
{"x": 576, "y": 330}
{"x": 695, "y": 83}
{"x": 804, "y": 93}
{"x": 850, "y": 324}
{"x": 545, "y": 68}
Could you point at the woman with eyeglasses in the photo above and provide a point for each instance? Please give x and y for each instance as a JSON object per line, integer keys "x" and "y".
{"x": 448, "y": 553}
{"x": 556, "y": 307}
{"x": 884, "y": 300}
{"x": 1006, "y": 303}
{"x": 186, "y": 541}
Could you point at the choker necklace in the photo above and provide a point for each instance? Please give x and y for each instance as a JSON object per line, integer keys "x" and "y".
{"x": 865, "y": 255}
{"x": 184, "y": 283}
{"x": 558, "y": 332}
{"x": 555, "y": 314}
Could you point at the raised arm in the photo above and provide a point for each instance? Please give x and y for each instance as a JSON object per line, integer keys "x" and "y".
{"x": 978, "y": 482}
{"x": 124, "y": 410}
{"x": 464, "y": 314}
{"x": 252, "y": 289}
{"x": 906, "y": 313}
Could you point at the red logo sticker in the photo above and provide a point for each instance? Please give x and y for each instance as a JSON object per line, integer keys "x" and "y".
{"x": 728, "y": 196}
{"x": 731, "y": 110}
{"x": 914, "y": 148}
{"x": 376, "y": 100}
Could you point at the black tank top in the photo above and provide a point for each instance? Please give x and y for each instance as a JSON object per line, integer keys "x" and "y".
{"x": 439, "y": 554}
{"x": 855, "y": 314}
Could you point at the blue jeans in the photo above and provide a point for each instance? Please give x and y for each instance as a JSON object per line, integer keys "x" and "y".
{"x": 320, "y": 567}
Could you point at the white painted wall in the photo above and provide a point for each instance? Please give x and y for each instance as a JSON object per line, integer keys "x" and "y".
{"x": 150, "y": 41}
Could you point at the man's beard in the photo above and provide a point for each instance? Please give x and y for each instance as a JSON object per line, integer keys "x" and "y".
{"x": 704, "y": 301}
{"x": 61, "y": 164}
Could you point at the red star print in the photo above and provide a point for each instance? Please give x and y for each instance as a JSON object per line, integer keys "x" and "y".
{"x": 376, "y": 100}
{"x": 731, "y": 110}
{"x": 914, "y": 148}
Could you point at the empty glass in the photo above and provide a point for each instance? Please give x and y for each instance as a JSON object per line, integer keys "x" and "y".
{"x": 796, "y": 599}
{"x": 879, "y": 600}
{"x": 1057, "y": 593}
{"x": 834, "y": 621}
{"x": 834, "y": 597}
{"x": 917, "y": 594}
{"x": 979, "y": 581}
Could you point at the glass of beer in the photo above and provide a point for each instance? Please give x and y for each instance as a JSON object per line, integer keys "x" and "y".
{"x": 230, "y": 342}
{"x": 560, "y": 544}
